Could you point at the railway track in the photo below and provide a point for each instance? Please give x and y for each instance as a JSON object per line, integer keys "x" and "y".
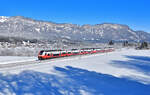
{"x": 11, "y": 65}
{"x": 35, "y": 62}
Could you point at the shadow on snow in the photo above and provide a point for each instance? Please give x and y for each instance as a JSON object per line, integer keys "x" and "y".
{"x": 139, "y": 63}
{"x": 74, "y": 81}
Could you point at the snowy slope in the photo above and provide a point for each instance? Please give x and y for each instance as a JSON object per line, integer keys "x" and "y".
{"x": 24, "y": 28}
{"x": 115, "y": 73}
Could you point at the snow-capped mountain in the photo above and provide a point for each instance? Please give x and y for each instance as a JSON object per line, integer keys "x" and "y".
{"x": 3, "y": 18}
{"x": 27, "y": 28}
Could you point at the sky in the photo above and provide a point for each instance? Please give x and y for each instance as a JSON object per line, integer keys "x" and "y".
{"x": 135, "y": 13}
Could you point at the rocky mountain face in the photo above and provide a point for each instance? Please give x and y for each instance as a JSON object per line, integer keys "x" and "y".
{"x": 21, "y": 28}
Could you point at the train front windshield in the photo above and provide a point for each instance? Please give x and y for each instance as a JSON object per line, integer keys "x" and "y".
{"x": 41, "y": 52}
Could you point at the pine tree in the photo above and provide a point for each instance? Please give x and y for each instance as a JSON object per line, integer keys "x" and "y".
{"x": 125, "y": 43}
{"x": 144, "y": 45}
{"x": 111, "y": 43}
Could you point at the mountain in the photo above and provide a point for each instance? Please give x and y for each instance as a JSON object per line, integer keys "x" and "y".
{"x": 29, "y": 29}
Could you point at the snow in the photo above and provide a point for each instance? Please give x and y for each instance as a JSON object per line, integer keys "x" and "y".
{"x": 37, "y": 29}
{"x": 134, "y": 34}
{"x": 15, "y": 59}
{"x": 115, "y": 73}
{"x": 3, "y": 18}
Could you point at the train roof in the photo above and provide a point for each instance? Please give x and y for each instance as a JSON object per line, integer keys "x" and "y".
{"x": 89, "y": 48}
{"x": 50, "y": 50}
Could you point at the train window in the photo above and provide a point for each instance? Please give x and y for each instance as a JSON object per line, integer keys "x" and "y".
{"x": 64, "y": 53}
{"x": 69, "y": 52}
{"x": 55, "y": 54}
{"x": 48, "y": 54}
{"x": 41, "y": 52}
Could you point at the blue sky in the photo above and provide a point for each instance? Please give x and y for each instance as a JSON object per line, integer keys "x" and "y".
{"x": 135, "y": 13}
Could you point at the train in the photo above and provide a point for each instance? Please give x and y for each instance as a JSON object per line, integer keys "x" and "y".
{"x": 49, "y": 54}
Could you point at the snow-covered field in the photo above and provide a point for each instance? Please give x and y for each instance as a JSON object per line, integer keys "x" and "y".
{"x": 15, "y": 59}
{"x": 123, "y": 72}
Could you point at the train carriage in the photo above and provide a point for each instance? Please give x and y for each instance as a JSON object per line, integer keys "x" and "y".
{"x": 75, "y": 52}
{"x": 47, "y": 54}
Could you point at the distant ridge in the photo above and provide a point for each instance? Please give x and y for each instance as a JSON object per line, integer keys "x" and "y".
{"x": 27, "y": 28}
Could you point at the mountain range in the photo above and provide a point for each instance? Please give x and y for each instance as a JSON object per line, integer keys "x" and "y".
{"x": 17, "y": 28}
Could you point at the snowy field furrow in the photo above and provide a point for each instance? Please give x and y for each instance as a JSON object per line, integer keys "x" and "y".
{"x": 115, "y": 73}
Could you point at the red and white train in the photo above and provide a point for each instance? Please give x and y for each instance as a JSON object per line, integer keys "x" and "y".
{"x": 47, "y": 54}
